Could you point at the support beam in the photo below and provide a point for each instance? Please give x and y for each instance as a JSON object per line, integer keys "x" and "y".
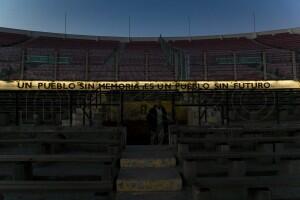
{"x": 116, "y": 63}
{"x": 55, "y": 65}
{"x": 294, "y": 62}
{"x": 146, "y": 66}
{"x": 87, "y": 66}
{"x": 234, "y": 67}
{"x": 22, "y": 65}
{"x": 205, "y": 65}
{"x": 176, "y": 66}
{"x": 187, "y": 67}
{"x": 181, "y": 65}
{"x": 265, "y": 65}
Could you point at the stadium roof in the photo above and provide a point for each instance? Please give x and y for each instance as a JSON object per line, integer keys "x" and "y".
{"x": 125, "y": 39}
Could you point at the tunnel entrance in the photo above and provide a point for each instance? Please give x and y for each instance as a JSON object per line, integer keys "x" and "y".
{"x": 219, "y": 104}
{"x": 130, "y": 109}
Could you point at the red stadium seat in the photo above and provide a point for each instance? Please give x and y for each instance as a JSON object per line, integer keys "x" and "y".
{"x": 147, "y": 60}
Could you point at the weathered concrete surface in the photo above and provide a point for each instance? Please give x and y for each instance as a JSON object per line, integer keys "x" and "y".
{"x": 148, "y": 148}
{"x": 149, "y": 180}
{"x": 148, "y": 162}
{"x": 148, "y": 157}
{"x": 153, "y": 196}
{"x": 148, "y": 169}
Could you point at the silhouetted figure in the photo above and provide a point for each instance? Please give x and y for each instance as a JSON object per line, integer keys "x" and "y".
{"x": 158, "y": 123}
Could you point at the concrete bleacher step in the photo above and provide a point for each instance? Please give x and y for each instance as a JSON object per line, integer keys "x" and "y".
{"x": 55, "y": 195}
{"x": 149, "y": 180}
{"x": 67, "y": 169}
{"x": 152, "y": 195}
{"x": 147, "y": 157}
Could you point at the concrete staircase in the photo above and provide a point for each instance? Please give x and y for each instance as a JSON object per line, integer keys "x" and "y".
{"x": 149, "y": 172}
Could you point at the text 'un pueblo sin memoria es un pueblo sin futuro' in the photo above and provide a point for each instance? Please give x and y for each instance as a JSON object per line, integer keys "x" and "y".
{"x": 163, "y": 85}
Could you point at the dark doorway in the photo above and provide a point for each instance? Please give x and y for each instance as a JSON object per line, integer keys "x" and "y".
{"x": 136, "y": 107}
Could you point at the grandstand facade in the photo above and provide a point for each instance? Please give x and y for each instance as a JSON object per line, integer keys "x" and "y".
{"x": 39, "y": 56}
{"x": 27, "y": 55}
{"x": 234, "y": 137}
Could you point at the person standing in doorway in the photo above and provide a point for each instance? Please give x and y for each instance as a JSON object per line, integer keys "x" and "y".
{"x": 158, "y": 123}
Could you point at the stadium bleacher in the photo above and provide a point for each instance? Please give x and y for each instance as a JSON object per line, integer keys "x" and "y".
{"x": 69, "y": 43}
{"x": 143, "y": 59}
{"x": 231, "y": 44}
{"x": 52, "y": 161}
{"x": 232, "y": 161}
{"x": 10, "y": 39}
{"x": 281, "y": 40}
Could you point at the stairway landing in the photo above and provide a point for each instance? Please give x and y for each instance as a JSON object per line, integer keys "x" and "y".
{"x": 149, "y": 172}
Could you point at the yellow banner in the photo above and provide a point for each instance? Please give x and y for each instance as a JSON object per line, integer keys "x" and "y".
{"x": 149, "y": 85}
